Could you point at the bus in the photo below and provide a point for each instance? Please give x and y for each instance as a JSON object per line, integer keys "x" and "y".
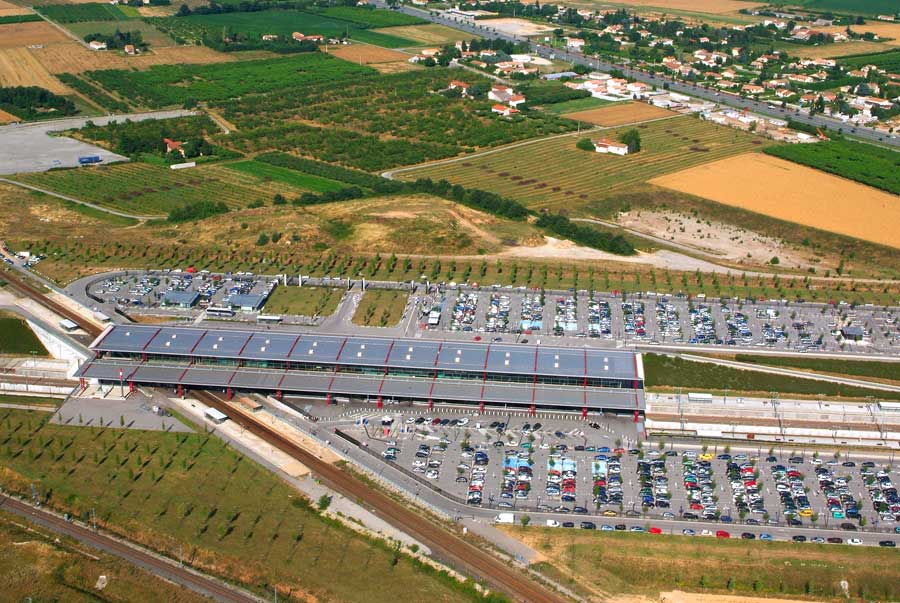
{"x": 268, "y": 319}
{"x": 219, "y": 311}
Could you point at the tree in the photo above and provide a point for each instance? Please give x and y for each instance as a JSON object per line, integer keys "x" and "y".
{"x": 525, "y": 521}
{"x": 585, "y": 144}
{"x": 632, "y": 138}
{"x": 323, "y": 502}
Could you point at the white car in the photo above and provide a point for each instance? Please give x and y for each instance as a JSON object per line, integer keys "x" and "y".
{"x": 854, "y": 541}
{"x": 552, "y": 523}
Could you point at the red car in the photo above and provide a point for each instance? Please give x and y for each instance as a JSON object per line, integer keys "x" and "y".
{"x": 618, "y": 451}
{"x": 655, "y": 531}
{"x": 722, "y": 534}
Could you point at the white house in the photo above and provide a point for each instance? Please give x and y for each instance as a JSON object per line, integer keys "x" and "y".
{"x": 97, "y": 45}
{"x": 608, "y": 146}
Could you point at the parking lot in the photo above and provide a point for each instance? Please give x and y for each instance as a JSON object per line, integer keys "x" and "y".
{"x": 182, "y": 293}
{"x": 505, "y": 314}
{"x": 593, "y": 471}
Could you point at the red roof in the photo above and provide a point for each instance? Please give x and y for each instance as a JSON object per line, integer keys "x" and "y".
{"x": 172, "y": 145}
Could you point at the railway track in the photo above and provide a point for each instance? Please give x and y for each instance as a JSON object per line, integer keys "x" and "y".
{"x": 37, "y": 295}
{"x": 155, "y": 565}
{"x": 460, "y": 553}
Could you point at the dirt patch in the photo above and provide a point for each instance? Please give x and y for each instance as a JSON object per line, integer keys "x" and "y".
{"x": 517, "y": 27}
{"x": 366, "y": 54}
{"x": 15, "y": 35}
{"x": 74, "y": 58}
{"x": 5, "y": 117}
{"x": 789, "y": 191}
{"x": 623, "y": 113}
{"x": 8, "y": 9}
{"x": 395, "y": 67}
{"x": 727, "y": 241}
{"x": 18, "y": 67}
{"x": 882, "y": 29}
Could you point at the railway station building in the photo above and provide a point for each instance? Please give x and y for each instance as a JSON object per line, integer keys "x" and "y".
{"x": 373, "y": 369}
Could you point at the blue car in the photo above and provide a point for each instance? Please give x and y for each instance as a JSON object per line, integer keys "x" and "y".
{"x": 766, "y": 537}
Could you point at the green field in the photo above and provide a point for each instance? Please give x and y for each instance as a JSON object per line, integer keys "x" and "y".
{"x": 366, "y": 17}
{"x": 304, "y": 301}
{"x": 78, "y": 13}
{"x": 555, "y": 174}
{"x": 235, "y": 518}
{"x": 600, "y": 564}
{"x": 7, "y": 19}
{"x": 578, "y": 104}
{"x": 282, "y": 23}
{"x": 150, "y": 34}
{"x": 889, "y": 61}
{"x": 855, "y": 368}
{"x": 31, "y": 400}
{"x": 267, "y": 171}
{"x": 668, "y": 372}
{"x": 17, "y": 338}
{"x": 865, "y": 163}
{"x": 850, "y": 7}
{"x": 165, "y": 85}
{"x": 144, "y": 189}
{"x": 378, "y": 122}
{"x": 381, "y": 308}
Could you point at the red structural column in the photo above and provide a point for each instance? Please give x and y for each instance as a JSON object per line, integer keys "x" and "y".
{"x": 228, "y": 393}
{"x": 584, "y": 412}
{"x": 481, "y": 406}
{"x": 531, "y": 410}
{"x": 180, "y": 391}
{"x": 430, "y": 403}
{"x": 379, "y": 403}
{"x": 83, "y": 383}
{"x": 131, "y": 387}
{"x": 328, "y": 398}
{"x": 636, "y": 417}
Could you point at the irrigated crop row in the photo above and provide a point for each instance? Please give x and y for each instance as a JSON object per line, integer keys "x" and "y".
{"x": 555, "y": 173}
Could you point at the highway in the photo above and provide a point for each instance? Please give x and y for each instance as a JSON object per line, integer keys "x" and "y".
{"x": 151, "y": 562}
{"x": 722, "y": 98}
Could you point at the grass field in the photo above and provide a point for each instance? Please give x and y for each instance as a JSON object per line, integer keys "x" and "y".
{"x": 381, "y": 308}
{"x": 304, "y": 301}
{"x": 235, "y": 518}
{"x": 887, "y": 371}
{"x": 796, "y": 193}
{"x": 850, "y": 7}
{"x": 283, "y": 23}
{"x": 619, "y": 114}
{"x": 603, "y": 564}
{"x": 17, "y": 338}
{"x": 78, "y": 13}
{"x": 664, "y": 372}
{"x": 163, "y": 85}
{"x": 31, "y": 400}
{"x": 144, "y": 189}
{"x": 889, "y": 61}
{"x": 35, "y": 566}
{"x": 555, "y": 174}
{"x": 578, "y": 104}
{"x": 866, "y": 163}
{"x": 299, "y": 180}
{"x": 150, "y": 34}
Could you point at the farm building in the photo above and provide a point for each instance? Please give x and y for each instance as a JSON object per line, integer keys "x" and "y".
{"x": 609, "y": 146}
{"x": 370, "y": 368}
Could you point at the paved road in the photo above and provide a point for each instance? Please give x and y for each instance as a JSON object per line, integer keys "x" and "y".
{"x": 155, "y": 564}
{"x": 762, "y": 108}
{"x": 29, "y": 147}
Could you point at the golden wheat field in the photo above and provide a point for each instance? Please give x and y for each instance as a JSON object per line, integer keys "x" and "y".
{"x": 795, "y": 193}
{"x": 621, "y": 113}
{"x": 18, "y": 67}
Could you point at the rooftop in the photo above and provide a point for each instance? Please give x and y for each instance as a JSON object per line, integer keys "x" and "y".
{"x": 383, "y": 352}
